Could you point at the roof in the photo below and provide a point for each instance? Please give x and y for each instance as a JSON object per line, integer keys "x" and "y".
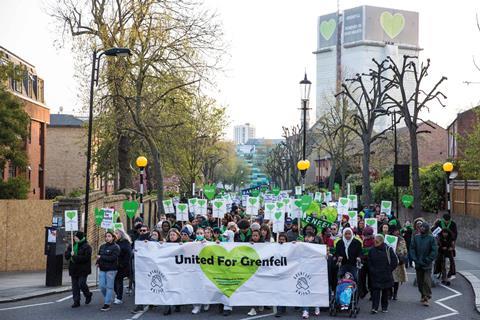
{"x": 65, "y": 120}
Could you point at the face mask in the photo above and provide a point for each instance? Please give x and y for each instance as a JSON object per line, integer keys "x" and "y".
{"x": 200, "y": 238}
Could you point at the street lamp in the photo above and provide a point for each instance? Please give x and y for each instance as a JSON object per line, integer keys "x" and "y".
{"x": 141, "y": 163}
{"x": 304, "y": 164}
{"x": 448, "y": 168}
{"x": 113, "y": 52}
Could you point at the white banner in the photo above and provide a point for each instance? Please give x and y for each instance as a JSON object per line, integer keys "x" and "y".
{"x": 234, "y": 274}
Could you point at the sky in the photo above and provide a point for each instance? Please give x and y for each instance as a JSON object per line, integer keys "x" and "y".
{"x": 270, "y": 47}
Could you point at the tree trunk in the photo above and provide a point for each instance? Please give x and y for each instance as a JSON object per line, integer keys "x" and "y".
{"x": 333, "y": 172}
{"x": 367, "y": 192}
{"x": 417, "y": 206}
{"x": 123, "y": 161}
{"x": 157, "y": 168}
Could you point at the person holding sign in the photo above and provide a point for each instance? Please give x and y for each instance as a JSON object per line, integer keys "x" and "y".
{"x": 107, "y": 262}
{"x": 79, "y": 259}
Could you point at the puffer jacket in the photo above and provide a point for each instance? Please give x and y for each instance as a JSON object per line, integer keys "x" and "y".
{"x": 109, "y": 253}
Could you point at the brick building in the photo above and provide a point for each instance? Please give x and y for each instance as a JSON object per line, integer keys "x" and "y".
{"x": 461, "y": 126}
{"x": 30, "y": 90}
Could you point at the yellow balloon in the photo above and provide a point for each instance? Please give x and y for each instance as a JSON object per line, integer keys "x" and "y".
{"x": 307, "y": 163}
{"x": 141, "y": 162}
{"x": 448, "y": 167}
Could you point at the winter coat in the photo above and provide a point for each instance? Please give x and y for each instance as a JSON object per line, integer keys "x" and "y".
{"x": 380, "y": 266}
{"x": 124, "y": 258}
{"x": 241, "y": 237}
{"x": 109, "y": 253}
{"x": 400, "y": 273}
{"x": 80, "y": 265}
{"x": 449, "y": 225}
{"x": 423, "y": 251}
{"x": 292, "y": 236}
{"x": 354, "y": 252}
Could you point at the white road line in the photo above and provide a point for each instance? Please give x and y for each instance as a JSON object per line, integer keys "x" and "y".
{"x": 63, "y": 299}
{"x": 137, "y": 315}
{"x": 27, "y": 306}
{"x": 453, "y": 312}
{"x": 259, "y": 316}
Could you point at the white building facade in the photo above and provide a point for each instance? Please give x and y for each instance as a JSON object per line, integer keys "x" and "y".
{"x": 242, "y": 133}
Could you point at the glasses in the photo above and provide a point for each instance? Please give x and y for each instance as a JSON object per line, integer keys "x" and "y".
{"x": 143, "y": 231}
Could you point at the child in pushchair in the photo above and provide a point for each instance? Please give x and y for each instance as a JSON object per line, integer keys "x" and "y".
{"x": 345, "y": 297}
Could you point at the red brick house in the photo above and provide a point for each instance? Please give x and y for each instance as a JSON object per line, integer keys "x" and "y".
{"x": 461, "y": 126}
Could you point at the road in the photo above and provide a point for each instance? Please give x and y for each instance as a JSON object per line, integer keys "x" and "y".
{"x": 455, "y": 302}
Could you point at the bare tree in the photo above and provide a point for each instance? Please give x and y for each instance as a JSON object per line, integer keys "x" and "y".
{"x": 410, "y": 105}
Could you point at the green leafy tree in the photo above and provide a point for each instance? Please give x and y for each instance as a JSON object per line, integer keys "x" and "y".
{"x": 470, "y": 161}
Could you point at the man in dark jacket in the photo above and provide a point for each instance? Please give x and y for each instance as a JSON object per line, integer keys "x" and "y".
{"x": 79, "y": 267}
{"x": 424, "y": 251}
{"x": 447, "y": 223}
{"x": 244, "y": 233}
{"x": 292, "y": 234}
{"x": 382, "y": 260}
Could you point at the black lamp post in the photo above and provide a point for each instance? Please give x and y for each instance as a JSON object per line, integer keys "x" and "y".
{"x": 305, "y": 86}
{"x": 113, "y": 52}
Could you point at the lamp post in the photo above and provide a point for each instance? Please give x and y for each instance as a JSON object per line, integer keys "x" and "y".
{"x": 141, "y": 163}
{"x": 304, "y": 164}
{"x": 448, "y": 168}
{"x": 113, "y": 52}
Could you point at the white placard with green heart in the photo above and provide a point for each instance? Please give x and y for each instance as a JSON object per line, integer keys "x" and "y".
{"x": 192, "y": 205}
{"x": 386, "y": 206}
{"x": 253, "y": 204}
{"x": 168, "y": 206}
{"x": 296, "y": 209}
{"x": 107, "y": 222}
{"x": 319, "y": 196}
{"x": 269, "y": 210}
{"x": 219, "y": 208}
{"x": 353, "y": 204}
{"x": 328, "y": 197}
{"x": 353, "y": 218}
{"x": 287, "y": 204}
{"x": 391, "y": 241}
{"x": 182, "y": 212}
{"x": 202, "y": 206}
{"x": 372, "y": 223}
{"x": 278, "y": 220}
{"x": 71, "y": 220}
{"x": 342, "y": 206}
{"x": 234, "y": 274}
{"x": 298, "y": 190}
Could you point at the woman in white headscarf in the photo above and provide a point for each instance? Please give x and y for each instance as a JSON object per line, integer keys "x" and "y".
{"x": 348, "y": 251}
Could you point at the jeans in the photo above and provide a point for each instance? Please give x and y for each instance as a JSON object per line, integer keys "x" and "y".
{"x": 385, "y": 293}
{"x": 79, "y": 283}
{"x": 424, "y": 282}
{"x": 106, "y": 284}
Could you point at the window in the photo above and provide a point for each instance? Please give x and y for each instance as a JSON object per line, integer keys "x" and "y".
{"x": 34, "y": 87}
{"x": 40, "y": 96}
{"x": 25, "y": 83}
{"x": 12, "y": 170}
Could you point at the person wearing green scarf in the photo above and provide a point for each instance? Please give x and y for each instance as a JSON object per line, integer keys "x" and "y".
{"x": 79, "y": 257}
{"x": 446, "y": 222}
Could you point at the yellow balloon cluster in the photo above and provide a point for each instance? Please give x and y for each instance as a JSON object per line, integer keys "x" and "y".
{"x": 303, "y": 165}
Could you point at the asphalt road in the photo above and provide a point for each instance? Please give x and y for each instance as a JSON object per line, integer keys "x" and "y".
{"x": 455, "y": 302}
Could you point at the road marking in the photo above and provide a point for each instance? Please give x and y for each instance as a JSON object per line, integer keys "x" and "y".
{"x": 27, "y": 306}
{"x": 138, "y": 315}
{"x": 259, "y": 316}
{"x": 453, "y": 312}
{"x": 63, "y": 299}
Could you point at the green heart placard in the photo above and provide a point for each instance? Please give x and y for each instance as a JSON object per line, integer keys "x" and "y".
{"x": 130, "y": 208}
{"x": 209, "y": 191}
{"x": 98, "y": 216}
{"x": 167, "y": 202}
{"x": 201, "y": 202}
{"x": 71, "y": 214}
{"x": 218, "y": 204}
{"x": 407, "y": 200}
{"x": 270, "y": 206}
{"x": 252, "y": 200}
{"x": 390, "y": 239}
{"x": 280, "y": 205}
{"x": 276, "y": 191}
{"x": 192, "y": 201}
{"x": 344, "y": 201}
{"x": 370, "y": 222}
{"x": 228, "y": 278}
{"x": 286, "y": 201}
{"x": 306, "y": 201}
{"x": 298, "y": 203}
{"x": 386, "y": 204}
{"x": 327, "y": 28}
{"x": 255, "y": 193}
{"x": 278, "y": 215}
{"x": 352, "y": 214}
{"x": 392, "y": 24}
{"x": 182, "y": 207}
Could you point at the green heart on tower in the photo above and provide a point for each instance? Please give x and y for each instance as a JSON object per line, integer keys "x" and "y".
{"x": 130, "y": 208}
{"x": 218, "y": 204}
{"x": 71, "y": 214}
{"x": 270, "y": 206}
{"x": 228, "y": 278}
{"x": 276, "y": 191}
{"x": 390, "y": 239}
{"x": 209, "y": 191}
{"x": 306, "y": 201}
{"x": 327, "y": 28}
{"x": 252, "y": 200}
{"x": 182, "y": 207}
{"x": 392, "y": 24}
{"x": 201, "y": 202}
{"x": 278, "y": 215}
{"x": 344, "y": 201}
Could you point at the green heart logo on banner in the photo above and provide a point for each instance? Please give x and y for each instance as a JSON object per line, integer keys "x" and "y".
{"x": 130, "y": 208}
{"x": 71, "y": 214}
{"x": 276, "y": 191}
{"x": 327, "y": 28}
{"x": 209, "y": 191}
{"x": 390, "y": 239}
{"x": 182, "y": 207}
{"x": 370, "y": 222}
{"x": 392, "y": 24}
{"x": 352, "y": 214}
{"x": 407, "y": 200}
{"x": 228, "y": 278}
{"x": 218, "y": 204}
{"x": 98, "y": 216}
{"x": 280, "y": 205}
{"x": 306, "y": 201}
{"x": 252, "y": 201}
{"x": 201, "y": 202}
{"x": 255, "y": 193}
{"x": 344, "y": 201}
{"x": 270, "y": 206}
{"x": 192, "y": 201}
{"x": 278, "y": 215}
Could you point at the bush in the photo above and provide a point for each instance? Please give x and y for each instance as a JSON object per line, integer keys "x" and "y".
{"x": 52, "y": 193}
{"x": 76, "y": 193}
{"x": 432, "y": 184}
{"x": 14, "y": 188}
{"x": 383, "y": 189}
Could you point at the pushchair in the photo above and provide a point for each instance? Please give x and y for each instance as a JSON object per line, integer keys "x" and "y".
{"x": 345, "y": 296}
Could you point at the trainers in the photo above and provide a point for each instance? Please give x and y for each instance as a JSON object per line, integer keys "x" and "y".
{"x": 76, "y": 305}
{"x": 88, "y": 298}
{"x": 206, "y": 307}
{"x": 196, "y": 309}
{"x": 117, "y": 301}
{"x": 317, "y": 311}
{"x": 374, "y": 311}
{"x": 138, "y": 309}
{"x": 425, "y": 303}
{"x": 252, "y": 312}
{"x": 384, "y": 310}
{"x": 305, "y": 314}
{"x": 106, "y": 307}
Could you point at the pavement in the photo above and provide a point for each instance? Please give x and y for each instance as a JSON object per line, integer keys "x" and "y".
{"x": 468, "y": 265}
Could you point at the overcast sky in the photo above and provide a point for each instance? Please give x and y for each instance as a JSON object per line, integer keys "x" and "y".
{"x": 271, "y": 44}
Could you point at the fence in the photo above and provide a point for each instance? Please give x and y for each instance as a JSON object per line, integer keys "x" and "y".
{"x": 466, "y": 198}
